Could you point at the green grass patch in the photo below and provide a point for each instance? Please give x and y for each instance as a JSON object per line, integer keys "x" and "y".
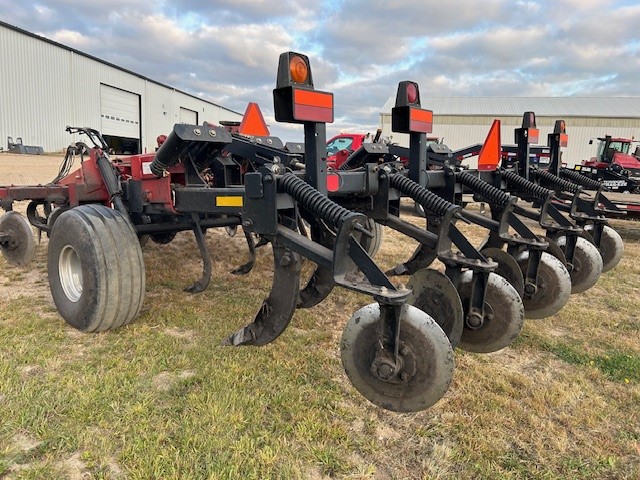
{"x": 162, "y": 399}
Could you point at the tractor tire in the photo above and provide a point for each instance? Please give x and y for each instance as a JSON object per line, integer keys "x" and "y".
{"x": 96, "y": 270}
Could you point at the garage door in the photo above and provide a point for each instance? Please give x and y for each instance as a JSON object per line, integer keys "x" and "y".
{"x": 188, "y": 116}
{"x": 119, "y": 112}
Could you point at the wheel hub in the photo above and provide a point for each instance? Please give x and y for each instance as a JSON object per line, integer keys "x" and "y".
{"x": 396, "y": 371}
{"x": 70, "y": 270}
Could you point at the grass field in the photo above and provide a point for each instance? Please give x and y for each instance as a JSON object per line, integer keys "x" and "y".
{"x": 160, "y": 399}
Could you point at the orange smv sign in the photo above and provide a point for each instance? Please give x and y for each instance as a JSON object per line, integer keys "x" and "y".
{"x": 253, "y": 122}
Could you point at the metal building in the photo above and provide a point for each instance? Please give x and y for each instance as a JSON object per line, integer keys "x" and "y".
{"x": 464, "y": 121}
{"x": 45, "y": 86}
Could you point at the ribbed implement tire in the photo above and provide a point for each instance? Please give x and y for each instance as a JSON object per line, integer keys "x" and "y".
{"x": 96, "y": 269}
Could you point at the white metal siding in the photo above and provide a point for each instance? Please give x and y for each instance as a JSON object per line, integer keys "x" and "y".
{"x": 45, "y": 87}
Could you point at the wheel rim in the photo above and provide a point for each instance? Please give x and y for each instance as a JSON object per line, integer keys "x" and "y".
{"x": 70, "y": 271}
{"x": 426, "y": 356}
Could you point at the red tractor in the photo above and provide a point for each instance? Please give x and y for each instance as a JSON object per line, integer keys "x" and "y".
{"x": 343, "y": 144}
{"x": 613, "y": 165}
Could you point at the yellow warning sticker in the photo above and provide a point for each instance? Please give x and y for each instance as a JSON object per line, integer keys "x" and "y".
{"x": 235, "y": 201}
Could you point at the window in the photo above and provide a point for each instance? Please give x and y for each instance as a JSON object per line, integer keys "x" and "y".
{"x": 342, "y": 143}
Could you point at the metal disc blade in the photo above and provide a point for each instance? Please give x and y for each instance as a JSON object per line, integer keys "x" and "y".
{"x": 503, "y": 315}
{"x": 611, "y": 247}
{"x": 555, "y": 250}
{"x": 553, "y": 287}
{"x": 21, "y": 247}
{"x": 507, "y": 268}
{"x": 587, "y": 264}
{"x": 435, "y": 294}
{"x": 423, "y": 347}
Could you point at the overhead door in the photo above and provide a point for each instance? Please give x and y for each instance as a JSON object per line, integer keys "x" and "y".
{"x": 119, "y": 112}
{"x": 189, "y": 117}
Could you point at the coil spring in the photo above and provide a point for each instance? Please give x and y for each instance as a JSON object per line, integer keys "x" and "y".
{"x": 429, "y": 200}
{"x": 491, "y": 193}
{"x": 557, "y": 182}
{"x": 313, "y": 200}
{"x": 526, "y": 186}
{"x": 158, "y": 168}
{"x": 580, "y": 179}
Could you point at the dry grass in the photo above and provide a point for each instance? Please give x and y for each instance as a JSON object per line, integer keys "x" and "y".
{"x": 162, "y": 399}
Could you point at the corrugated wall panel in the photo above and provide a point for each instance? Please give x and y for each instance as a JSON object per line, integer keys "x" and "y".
{"x": 45, "y": 87}
{"x": 35, "y": 92}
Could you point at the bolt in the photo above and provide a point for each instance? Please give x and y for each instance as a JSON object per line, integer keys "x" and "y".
{"x": 404, "y": 350}
{"x": 212, "y": 133}
{"x": 269, "y": 141}
{"x": 258, "y": 140}
{"x": 197, "y": 131}
{"x": 268, "y": 179}
{"x": 247, "y": 223}
{"x": 286, "y": 260}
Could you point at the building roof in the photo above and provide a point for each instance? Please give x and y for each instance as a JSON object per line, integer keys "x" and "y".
{"x": 78, "y": 52}
{"x": 609, "y": 107}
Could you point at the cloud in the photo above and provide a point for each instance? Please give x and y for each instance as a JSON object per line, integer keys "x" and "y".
{"x": 227, "y": 50}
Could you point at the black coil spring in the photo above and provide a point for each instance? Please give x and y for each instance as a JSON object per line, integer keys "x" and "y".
{"x": 492, "y": 194}
{"x": 557, "y": 182}
{"x": 580, "y": 179}
{"x": 429, "y": 200}
{"x": 313, "y": 200}
{"x": 521, "y": 183}
{"x": 158, "y": 168}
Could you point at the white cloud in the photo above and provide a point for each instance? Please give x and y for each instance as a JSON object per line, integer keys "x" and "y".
{"x": 227, "y": 50}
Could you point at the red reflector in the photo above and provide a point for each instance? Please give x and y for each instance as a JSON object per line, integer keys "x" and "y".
{"x": 312, "y": 106}
{"x": 564, "y": 139}
{"x": 533, "y": 135}
{"x": 333, "y": 182}
{"x": 420, "y": 120}
{"x": 412, "y": 93}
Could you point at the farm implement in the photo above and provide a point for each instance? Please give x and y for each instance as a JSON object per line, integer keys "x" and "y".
{"x": 577, "y": 244}
{"x": 396, "y": 351}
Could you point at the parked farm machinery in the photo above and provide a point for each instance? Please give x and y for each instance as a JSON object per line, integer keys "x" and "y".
{"x": 398, "y": 350}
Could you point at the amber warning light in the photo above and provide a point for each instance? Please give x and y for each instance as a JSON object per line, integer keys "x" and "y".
{"x": 295, "y": 100}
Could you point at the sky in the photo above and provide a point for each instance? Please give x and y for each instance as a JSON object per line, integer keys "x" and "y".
{"x": 226, "y": 51}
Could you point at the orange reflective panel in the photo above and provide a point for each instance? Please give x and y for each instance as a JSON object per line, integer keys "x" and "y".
{"x": 253, "y": 122}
